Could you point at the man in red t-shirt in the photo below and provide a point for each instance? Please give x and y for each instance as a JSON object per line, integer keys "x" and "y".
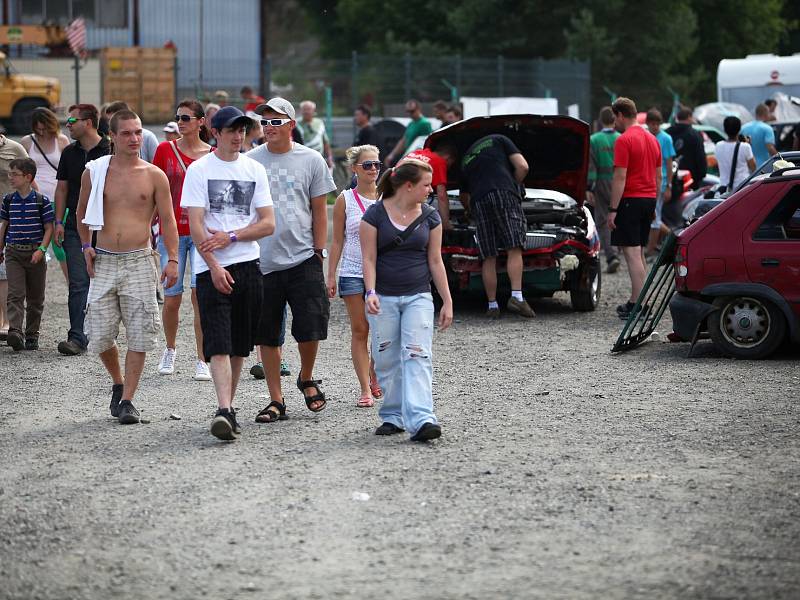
{"x": 637, "y": 179}
{"x": 439, "y": 181}
{"x": 252, "y": 100}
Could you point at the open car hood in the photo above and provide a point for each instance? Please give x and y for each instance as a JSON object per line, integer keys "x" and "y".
{"x": 556, "y": 148}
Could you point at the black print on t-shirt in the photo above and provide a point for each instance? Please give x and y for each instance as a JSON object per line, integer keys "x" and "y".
{"x": 230, "y": 197}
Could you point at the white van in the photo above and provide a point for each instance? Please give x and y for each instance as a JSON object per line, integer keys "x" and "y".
{"x": 751, "y": 80}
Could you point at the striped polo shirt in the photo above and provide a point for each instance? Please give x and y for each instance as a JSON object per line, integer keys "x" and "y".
{"x": 25, "y": 218}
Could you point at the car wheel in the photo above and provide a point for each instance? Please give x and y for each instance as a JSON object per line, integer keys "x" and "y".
{"x": 585, "y": 295}
{"x": 20, "y": 122}
{"x": 745, "y": 327}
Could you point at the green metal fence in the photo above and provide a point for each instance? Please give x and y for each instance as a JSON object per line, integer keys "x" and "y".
{"x": 381, "y": 80}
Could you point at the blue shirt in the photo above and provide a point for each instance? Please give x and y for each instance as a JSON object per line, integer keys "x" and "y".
{"x": 26, "y": 218}
{"x": 667, "y": 154}
{"x": 760, "y": 134}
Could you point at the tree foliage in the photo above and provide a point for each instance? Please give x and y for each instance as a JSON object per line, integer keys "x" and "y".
{"x": 636, "y": 49}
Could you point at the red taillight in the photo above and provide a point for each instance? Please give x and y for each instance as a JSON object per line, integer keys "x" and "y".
{"x": 681, "y": 266}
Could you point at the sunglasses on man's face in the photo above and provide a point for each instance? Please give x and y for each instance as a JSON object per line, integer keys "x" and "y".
{"x": 368, "y": 165}
{"x": 184, "y": 118}
{"x": 274, "y": 122}
{"x": 73, "y": 120}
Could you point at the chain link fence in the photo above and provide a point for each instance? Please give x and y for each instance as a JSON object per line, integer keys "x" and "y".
{"x": 380, "y": 81}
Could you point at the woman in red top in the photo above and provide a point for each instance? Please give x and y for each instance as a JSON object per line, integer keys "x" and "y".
{"x": 173, "y": 158}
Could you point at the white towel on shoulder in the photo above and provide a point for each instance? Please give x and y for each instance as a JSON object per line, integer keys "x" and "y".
{"x": 98, "y": 169}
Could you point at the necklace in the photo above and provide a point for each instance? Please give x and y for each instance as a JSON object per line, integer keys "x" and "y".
{"x": 403, "y": 215}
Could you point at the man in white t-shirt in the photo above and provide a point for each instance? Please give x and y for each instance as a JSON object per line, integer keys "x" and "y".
{"x": 291, "y": 260}
{"x": 230, "y": 208}
{"x": 724, "y": 151}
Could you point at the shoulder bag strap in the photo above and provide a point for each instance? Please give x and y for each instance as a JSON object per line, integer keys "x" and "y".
{"x": 360, "y": 204}
{"x": 7, "y": 207}
{"x": 39, "y": 148}
{"x": 406, "y": 233}
{"x": 174, "y": 145}
{"x": 733, "y": 165}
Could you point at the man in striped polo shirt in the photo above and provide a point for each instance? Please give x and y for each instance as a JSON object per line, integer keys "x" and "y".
{"x": 26, "y": 226}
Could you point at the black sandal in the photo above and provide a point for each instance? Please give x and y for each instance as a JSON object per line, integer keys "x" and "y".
{"x": 318, "y": 397}
{"x": 270, "y": 416}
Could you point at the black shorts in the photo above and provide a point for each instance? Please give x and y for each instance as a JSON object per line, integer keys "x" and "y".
{"x": 303, "y": 287}
{"x": 230, "y": 321}
{"x": 633, "y": 219}
{"x": 500, "y": 221}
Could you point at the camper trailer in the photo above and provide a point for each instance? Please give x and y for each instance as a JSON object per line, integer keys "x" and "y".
{"x": 749, "y": 81}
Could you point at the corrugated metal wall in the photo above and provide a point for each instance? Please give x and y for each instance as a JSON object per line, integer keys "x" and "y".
{"x": 230, "y": 46}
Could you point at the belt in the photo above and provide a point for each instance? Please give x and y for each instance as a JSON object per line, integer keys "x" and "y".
{"x": 132, "y": 255}
{"x": 24, "y": 246}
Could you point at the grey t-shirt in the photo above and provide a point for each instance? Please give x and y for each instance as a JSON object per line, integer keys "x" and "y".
{"x": 294, "y": 178}
{"x": 149, "y": 145}
{"x": 404, "y": 270}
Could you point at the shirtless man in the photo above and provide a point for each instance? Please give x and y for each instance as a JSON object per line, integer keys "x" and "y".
{"x": 122, "y": 268}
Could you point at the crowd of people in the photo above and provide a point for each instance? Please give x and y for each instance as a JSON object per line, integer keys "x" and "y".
{"x": 128, "y": 218}
{"x": 241, "y": 203}
{"x": 631, "y": 176}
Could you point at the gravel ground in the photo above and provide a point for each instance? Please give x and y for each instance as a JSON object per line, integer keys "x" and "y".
{"x": 563, "y": 472}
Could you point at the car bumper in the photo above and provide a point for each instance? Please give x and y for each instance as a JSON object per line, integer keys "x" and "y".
{"x": 688, "y": 314}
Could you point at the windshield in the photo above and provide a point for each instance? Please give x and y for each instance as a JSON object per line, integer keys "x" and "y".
{"x": 767, "y": 168}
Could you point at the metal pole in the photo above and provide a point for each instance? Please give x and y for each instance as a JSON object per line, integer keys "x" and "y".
{"x": 200, "y": 53}
{"x": 407, "y": 82}
{"x": 268, "y": 76}
{"x": 329, "y": 110}
{"x": 77, "y": 68}
{"x": 458, "y": 76}
{"x": 500, "y": 68}
{"x": 354, "y": 85}
{"x": 354, "y": 80}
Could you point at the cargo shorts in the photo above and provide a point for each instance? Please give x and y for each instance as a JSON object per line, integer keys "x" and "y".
{"x": 123, "y": 289}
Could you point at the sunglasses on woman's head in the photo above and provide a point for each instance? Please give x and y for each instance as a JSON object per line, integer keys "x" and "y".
{"x": 274, "y": 122}
{"x": 368, "y": 165}
{"x": 184, "y": 118}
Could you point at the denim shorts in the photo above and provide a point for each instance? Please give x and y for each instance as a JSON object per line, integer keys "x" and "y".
{"x": 185, "y": 250}
{"x": 351, "y": 286}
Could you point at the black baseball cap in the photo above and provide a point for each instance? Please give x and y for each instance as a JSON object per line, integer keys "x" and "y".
{"x": 228, "y": 116}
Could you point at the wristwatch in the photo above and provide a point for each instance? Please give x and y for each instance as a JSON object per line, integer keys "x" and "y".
{"x": 321, "y": 252}
{"x": 232, "y": 235}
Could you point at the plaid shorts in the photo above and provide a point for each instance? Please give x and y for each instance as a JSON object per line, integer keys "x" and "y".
{"x": 123, "y": 289}
{"x": 500, "y": 222}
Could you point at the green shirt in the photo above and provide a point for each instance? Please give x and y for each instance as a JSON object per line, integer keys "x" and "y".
{"x": 314, "y": 134}
{"x": 415, "y": 129}
{"x": 601, "y": 155}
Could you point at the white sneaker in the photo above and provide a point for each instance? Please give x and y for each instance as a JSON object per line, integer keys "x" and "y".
{"x": 201, "y": 371}
{"x": 167, "y": 364}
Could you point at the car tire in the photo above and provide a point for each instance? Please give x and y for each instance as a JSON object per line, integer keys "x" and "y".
{"x": 587, "y": 284}
{"x": 20, "y": 122}
{"x": 746, "y": 327}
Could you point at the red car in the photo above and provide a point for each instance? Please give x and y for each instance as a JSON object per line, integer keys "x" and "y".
{"x": 561, "y": 243}
{"x": 737, "y": 269}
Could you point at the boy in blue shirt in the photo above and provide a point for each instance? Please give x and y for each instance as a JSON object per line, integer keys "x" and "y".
{"x": 26, "y": 226}
{"x": 658, "y": 230}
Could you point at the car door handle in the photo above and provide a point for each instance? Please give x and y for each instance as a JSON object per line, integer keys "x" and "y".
{"x": 770, "y": 262}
